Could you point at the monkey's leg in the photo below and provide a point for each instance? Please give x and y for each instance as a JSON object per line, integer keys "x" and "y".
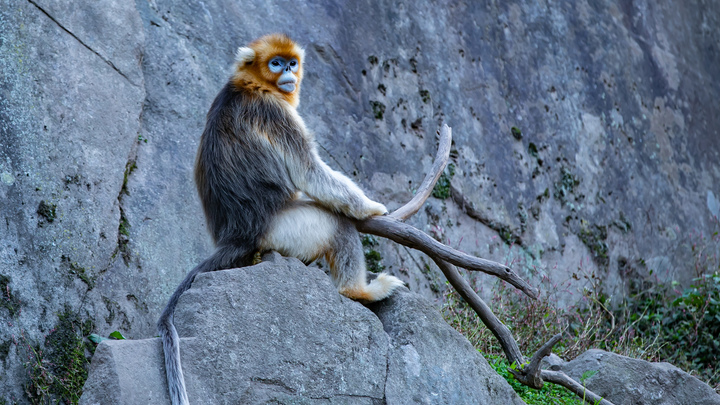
{"x": 347, "y": 266}
{"x": 308, "y": 232}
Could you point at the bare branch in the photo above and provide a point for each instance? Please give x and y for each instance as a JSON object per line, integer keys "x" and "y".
{"x": 560, "y": 378}
{"x": 501, "y": 332}
{"x": 409, "y": 236}
{"x": 530, "y": 374}
{"x": 423, "y": 192}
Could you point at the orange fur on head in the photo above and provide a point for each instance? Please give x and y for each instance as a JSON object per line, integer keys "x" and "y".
{"x": 252, "y": 72}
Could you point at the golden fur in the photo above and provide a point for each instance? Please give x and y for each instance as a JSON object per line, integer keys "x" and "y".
{"x": 254, "y": 74}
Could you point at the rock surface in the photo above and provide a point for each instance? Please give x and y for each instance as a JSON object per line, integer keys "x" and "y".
{"x": 612, "y": 165}
{"x": 279, "y": 332}
{"x": 626, "y": 381}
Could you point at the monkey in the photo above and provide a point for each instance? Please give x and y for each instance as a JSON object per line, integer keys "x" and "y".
{"x": 263, "y": 186}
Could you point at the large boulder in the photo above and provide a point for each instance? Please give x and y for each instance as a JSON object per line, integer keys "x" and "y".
{"x": 279, "y": 332}
{"x": 627, "y": 381}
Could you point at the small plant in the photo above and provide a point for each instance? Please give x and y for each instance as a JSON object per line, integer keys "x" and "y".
{"x": 442, "y": 187}
{"x": 47, "y": 212}
{"x": 95, "y": 338}
{"x": 7, "y": 299}
{"x": 373, "y": 258}
{"x": 378, "y": 109}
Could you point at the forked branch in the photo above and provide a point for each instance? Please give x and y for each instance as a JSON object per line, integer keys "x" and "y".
{"x": 392, "y": 227}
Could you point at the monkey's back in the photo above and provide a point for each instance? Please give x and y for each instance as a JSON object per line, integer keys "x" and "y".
{"x": 240, "y": 175}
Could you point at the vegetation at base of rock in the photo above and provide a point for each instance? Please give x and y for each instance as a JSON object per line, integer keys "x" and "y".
{"x": 442, "y": 187}
{"x": 58, "y": 372}
{"x": 550, "y": 394}
{"x": 655, "y": 321}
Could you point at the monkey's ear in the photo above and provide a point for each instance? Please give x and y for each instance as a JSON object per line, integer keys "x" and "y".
{"x": 244, "y": 55}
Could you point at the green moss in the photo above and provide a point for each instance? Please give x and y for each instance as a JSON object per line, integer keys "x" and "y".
{"x": 378, "y": 109}
{"x": 544, "y": 196}
{"x": 382, "y": 89}
{"x": 5, "y": 349}
{"x": 58, "y": 373}
{"x": 532, "y": 150}
{"x": 373, "y": 258}
{"x": 622, "y": 224}
{"x": 46, "y": 211}
{"x": 373, "y": 59}
{"x": 566, "y": 185}
{"x": 507, "y": 234}
{"x": 433, "y": 278}
{"x": 594, "y": 237}
{"x": 516, "y": 133}
{"x": 7, "y": 298}
{"x": 425, "y": 95}
{"x": 82, "y": 274}
{"x": 522, "y": 216}
{"x": 124, "y": 226}
{"x": 79, "y": 271}
{"x": 442, "y": 187}
{"x": 129, "y": 168}
{"x": 123, "y": 237}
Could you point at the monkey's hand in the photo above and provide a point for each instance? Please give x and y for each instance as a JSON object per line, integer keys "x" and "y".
{"x": 369, "y": 208}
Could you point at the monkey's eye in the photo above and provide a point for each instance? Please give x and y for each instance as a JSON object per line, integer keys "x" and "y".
{"x": 294, "y": 64}
{"x": 276, "y": 64}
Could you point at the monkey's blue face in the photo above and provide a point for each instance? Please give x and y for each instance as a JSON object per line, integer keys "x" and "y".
{"x": 287, "y": 81}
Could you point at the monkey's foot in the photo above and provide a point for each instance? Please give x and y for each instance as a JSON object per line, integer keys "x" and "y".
{"x": 378, "y": 289}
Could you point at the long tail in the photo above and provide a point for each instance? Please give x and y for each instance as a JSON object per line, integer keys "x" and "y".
{"x": 223, "y": 258}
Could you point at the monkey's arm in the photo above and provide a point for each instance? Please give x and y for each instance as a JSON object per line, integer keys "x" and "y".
{"x": 328, "y": 187}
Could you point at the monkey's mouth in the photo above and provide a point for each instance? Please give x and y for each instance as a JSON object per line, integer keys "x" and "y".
{"x": 287, "y": 86}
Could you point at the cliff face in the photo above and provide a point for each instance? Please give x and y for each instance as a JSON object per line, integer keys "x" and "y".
{"x": 611, "y": 165}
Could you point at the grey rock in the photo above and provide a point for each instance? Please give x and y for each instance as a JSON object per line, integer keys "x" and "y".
{"x": 431, "y": 363}
{"x": 552, "y": 362}
{"x": 279, "y": 332}
{"x": 627, "y": 381}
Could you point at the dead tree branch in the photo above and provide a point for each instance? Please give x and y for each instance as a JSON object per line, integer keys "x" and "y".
{"x": 560, "y": 378}
{"x": 446, "y": 258}
{"x": 409, "y": 236}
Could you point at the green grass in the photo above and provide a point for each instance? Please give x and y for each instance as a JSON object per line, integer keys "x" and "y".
{"x": 549, "y": 394}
